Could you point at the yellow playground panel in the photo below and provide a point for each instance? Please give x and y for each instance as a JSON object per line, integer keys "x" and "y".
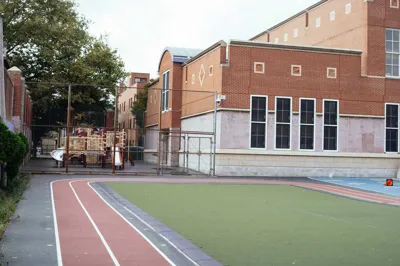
{"x": 93, "y": 148}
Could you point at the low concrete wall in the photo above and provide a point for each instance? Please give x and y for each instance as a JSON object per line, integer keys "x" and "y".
{"x": 150, "y": 156}
{"x": 197, "y": 162}
{"x": 313, "y": 164}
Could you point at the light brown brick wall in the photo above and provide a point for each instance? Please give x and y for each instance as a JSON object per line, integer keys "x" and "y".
{"x": 153, "y": 105}
{"x": 343, "y": 24}
{"x": 176, "y": 96}
{"x": 202, "y": 99}
{"x": 346, "y": 31}
{"x": 171, "y": 119}
{"x": 363, "y": 29}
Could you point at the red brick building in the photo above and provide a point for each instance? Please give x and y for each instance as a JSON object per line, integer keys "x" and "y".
{"x": 315, "y": 95}
{"x": 18, "y": 104}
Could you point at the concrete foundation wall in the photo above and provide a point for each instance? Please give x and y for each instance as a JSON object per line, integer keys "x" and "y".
{"x": 342, "y": 165}
{"x": 197, "y": 162}
{"x": 361, "y": 149}
{"x": 150, "y": 156}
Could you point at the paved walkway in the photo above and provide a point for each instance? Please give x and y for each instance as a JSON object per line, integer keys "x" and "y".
{"x": 75, "y": 221}
{"x": 368, "y": 184}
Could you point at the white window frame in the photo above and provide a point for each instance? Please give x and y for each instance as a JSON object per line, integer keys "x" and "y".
{"x": 392, "y": 53}
{"x": 255, "y": 67}
{"x": 327, "y": 72}
{"x": 318, "y": 22}
{"x": 290, "y": 124}
{"x": 332, "y": 15}
{"x": 266, "y": 120}
{"x": 296, "y": 75}
{"x": 300, "y": 124}
{"x": 398, "y": 130}
{"x": 323, "y": 124}
{"x": 276, "y": 41}
{"x": 392, "y": 6}
{"x": 210, "y": 70}
{"x": 164, "y": 102}
{"x": 285, "y": 37}
{"x": 348, "y": 8}
{"x": 193, "y": 78}
{"x": 295, "y": 33}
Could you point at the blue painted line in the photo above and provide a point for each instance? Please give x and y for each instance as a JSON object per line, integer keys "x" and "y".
{"x": 369, "y": 184}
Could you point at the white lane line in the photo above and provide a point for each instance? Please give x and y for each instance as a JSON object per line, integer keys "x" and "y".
{"x": 166, "y": 239}
{"x": 331, "y": 218}
{"x": 114, "y": 259}
{"x": 137, "y": 230}
{"x": 58, "y": 247}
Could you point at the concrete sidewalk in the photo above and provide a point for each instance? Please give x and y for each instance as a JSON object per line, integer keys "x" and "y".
{"x": 29, "y": 238}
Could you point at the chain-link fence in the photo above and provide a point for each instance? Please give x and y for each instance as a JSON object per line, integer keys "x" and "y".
{"x": 106, "y": 137}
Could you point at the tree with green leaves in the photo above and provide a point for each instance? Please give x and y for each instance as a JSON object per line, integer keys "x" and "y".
{"x": 49, "y": 42}
{"x": 138, "y": 109}
{"x": 139, "y": 106}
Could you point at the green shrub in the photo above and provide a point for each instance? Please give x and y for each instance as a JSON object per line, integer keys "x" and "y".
{"x": 14, "y": 164}
{"x": 8, "y": 141}
{"x": 25, "y": 142}
{"x": 13, "y": 148}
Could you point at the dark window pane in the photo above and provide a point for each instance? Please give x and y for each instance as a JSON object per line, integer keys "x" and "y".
{"x": 167, "y": 99}
{"x": 167, "y": 82}
{"x": 396, "y": 48}
{"x": 282, "y": 136}
{"x": 389, "y": 46}
{"x": 167, "y": 91}
{"x": 307, "y": 112}
{"x": 258, "y": 109}
{"x": 391, "y": 140}
{"x": 258, "y": 135}
{"x": 330, "y": 138}
{"x": 330, "y": 112}
{"x": 392, "y": 115}
{"x": 389, "y": 71}
{"x": 396, "y": 35}
{"x": 389, "y": 59}
{"x": 283, "y": 110}
{"x": 389, "y": 35}
{"x": 307, "y": 137}
{"x": 395, "y": 71}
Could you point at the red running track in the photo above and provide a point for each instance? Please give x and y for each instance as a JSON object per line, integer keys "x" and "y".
{"x": 90, "y": 232}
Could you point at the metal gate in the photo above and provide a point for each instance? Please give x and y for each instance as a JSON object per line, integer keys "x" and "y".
{"x": 186, "y": 153}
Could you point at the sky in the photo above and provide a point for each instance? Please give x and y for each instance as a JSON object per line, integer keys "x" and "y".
{"x": 140, "y": 29}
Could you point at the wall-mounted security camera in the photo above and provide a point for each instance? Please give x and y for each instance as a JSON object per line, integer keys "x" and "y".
{"x": 220, "y": 98}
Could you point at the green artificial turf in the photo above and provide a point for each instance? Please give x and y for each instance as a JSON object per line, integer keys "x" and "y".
{"x": 249, "y": 225}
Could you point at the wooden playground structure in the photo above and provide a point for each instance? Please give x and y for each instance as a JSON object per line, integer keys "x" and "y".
{"x": 93, "y": 147}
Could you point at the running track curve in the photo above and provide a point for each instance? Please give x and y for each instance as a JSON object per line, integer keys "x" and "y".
{"x": 89, "y": 232}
